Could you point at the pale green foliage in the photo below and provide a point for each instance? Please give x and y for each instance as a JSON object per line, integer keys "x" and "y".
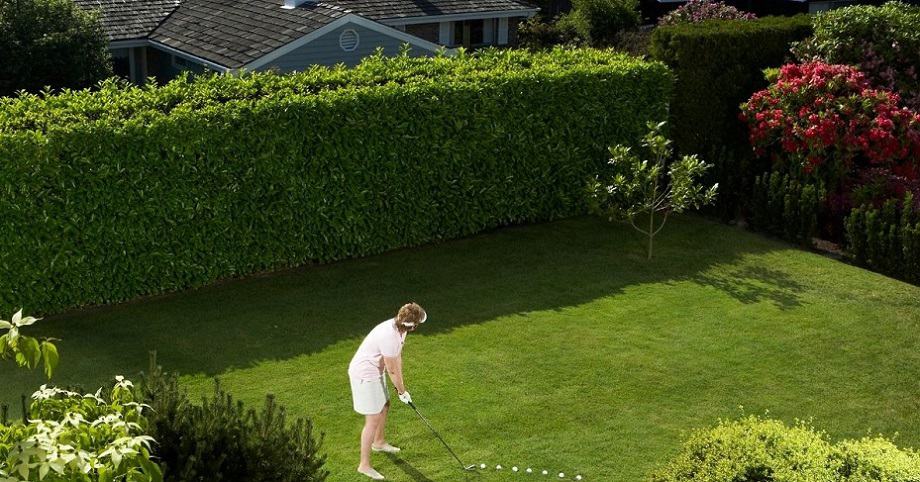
{"x": 631, "y": 186}
{"x": 27, "y": 351}
{"x": 760, "y": 449}
{"x": 79, "y": 438}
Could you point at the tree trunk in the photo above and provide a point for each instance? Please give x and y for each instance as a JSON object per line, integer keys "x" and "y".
{"x": 651, "y": 231}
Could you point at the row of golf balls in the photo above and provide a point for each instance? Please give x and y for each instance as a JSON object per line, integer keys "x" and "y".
{"x": 529, "y": 471}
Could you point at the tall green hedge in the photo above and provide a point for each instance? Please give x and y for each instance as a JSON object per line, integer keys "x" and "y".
{"x": 126, "y": 191}
{"x": 718, "y": 65}
{"x": 886, "y": 240}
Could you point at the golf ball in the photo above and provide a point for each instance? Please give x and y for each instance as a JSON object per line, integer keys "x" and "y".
{"x": 545, "y": 472}
{"x": 482, "y": 466}
{"x": 561, "y": 475}
{"x": 529, "y": 470}
{"x": 514, "y": 469}
{"x": 498, "y": 467}
{"x": 577, "y": 477}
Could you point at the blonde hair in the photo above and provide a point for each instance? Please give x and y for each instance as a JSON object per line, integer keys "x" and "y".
{"x": 410, "y": 314}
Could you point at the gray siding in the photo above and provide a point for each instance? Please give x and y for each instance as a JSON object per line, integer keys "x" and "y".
{"x": 325, "y": 50}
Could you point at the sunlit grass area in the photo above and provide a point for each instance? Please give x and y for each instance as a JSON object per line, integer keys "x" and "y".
{"x": 555, "y": 346}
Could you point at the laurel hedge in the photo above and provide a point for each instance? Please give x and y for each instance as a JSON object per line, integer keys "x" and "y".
{"x": 124, "y": 191}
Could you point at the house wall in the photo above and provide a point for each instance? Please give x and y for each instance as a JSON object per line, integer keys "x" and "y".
{"x": 326, "y": 50}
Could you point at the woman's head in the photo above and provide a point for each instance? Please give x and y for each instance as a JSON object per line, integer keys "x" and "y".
{"x": 410, "y": 316}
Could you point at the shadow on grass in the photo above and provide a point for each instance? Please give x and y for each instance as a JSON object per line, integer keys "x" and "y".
{"x": 755, "y": 284}
{"x": 513, "y": 270}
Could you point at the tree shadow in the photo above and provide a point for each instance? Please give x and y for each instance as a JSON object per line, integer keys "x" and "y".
{"x": 240, "y": 323}
{"x": 754, "y": 284}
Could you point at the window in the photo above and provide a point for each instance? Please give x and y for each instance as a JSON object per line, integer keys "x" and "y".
{"x": 469, "y": 33}
{"x": 348, "y": 40}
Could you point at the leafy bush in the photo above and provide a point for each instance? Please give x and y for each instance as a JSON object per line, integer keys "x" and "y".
{"x": 599, "y": 21}
{"x": 883, "y": 41}
{"x": 535, "y": 33}
{"x": 221, "y": 440}
{"x": 128, "y": 191}
{"x": 50, "y": 43}
{"x": 825, "y": 121}
{"x": 782, "y": 206}
{"x": 696, "y": 11}
{"x": 718, "y": 65}
{"x": 79, "y": 438}
{"x": 760, "y": 450}
{"x": 886, "y": 239}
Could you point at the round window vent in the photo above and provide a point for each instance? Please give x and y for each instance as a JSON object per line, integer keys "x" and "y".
{"x": 348, "y": 40}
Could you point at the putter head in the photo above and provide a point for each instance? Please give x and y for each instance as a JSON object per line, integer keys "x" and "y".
{"x": 470, "y": 467}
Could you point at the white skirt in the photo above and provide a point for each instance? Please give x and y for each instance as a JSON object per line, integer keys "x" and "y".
{"x": 370, "y": 396}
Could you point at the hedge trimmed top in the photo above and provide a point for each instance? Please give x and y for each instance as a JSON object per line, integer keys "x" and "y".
{"x": 118, "y": 103}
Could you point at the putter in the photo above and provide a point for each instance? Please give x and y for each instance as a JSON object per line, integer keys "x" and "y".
{"x": 435, "y": 432}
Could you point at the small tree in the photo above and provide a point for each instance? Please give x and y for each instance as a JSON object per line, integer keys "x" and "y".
{"x": 599, "y": 21}
{"x": 631, "y": 187}
{"x": 50, "y": 43}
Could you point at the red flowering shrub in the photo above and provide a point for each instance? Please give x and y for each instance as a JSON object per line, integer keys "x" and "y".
{"x": 825, "y": 120}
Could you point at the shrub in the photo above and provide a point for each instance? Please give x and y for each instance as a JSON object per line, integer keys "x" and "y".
{"x": 535, "y": 33}
{"x": 128, "y": 191}
{"x": 75, "y": 437}
{"x": 221, "y": 440}
{"x": 50, "y": 43}
{"x": 757, "y": 449}
{"x": 599, "y": 21}
{"x": 825, "y": 121}
{"x": 718, "y": 65}
{"x": 886, "y": 239}
{"x": 782, "y": 206}
{"x": 883, "y": 41}
{"x": 696, "y": 11}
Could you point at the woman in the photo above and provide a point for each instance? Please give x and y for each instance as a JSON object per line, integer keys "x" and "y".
{"x": 381, "y": 349}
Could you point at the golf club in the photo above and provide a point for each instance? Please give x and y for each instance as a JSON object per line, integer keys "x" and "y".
{"x": 435, "y": 432}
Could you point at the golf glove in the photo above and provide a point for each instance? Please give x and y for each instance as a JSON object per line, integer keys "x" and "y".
{"x": 404, "y": 397}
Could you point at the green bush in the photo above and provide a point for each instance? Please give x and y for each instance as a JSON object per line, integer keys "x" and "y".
{"x": 718, "y": 65}
{"x": 50, "y": 43}
{"x": 600, "y": 21}
{"x": 221, "y": 440}
{"x": 754, "y": 449}
{"x": 783, "y": 206}
{"x": 883, "y": 41}
{"x": 126, "y": 191}
{"x": 886, "y": 240}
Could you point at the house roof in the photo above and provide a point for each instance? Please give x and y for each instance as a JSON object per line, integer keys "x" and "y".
{"x": 233, "y": 33}
{"x": 397, "y": 9}
{"x": 130, "y": 19}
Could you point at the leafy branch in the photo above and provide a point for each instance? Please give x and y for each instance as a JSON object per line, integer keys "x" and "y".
{"x": 26, "y": 351}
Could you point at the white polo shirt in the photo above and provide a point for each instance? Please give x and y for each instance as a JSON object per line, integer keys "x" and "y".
{"x": 384, "y": 340}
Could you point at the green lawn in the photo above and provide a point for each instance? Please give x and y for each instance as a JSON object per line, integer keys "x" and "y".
{"x": 555, "y": 346}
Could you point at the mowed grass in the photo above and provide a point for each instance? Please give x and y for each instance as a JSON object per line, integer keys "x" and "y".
{"x": 555, "y": 346}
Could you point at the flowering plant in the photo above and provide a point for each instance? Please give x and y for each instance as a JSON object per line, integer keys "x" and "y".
{"x": 696, "y": 11}
{"x": 825, "y": 120}
{"x": 883, "y": 41}
{"x": 74, "y": 437}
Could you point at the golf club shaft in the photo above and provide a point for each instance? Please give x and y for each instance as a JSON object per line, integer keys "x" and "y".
{"x": 435, "y": 432}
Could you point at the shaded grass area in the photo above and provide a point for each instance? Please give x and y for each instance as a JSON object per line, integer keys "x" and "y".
{"x": 554, "y": 346}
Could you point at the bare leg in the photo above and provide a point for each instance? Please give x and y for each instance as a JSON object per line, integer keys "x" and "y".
{"x": 371, "y": 423}
{"x": 379, "y": 437}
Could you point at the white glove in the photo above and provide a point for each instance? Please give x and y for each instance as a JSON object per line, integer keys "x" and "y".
{"x": 404, "y": 397}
